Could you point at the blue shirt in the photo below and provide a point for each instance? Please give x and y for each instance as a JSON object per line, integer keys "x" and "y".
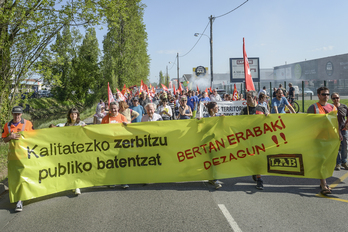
{"x": 140, "y": 110}
{"x": 205, "y": 99}
{"x": 280, "y": 105}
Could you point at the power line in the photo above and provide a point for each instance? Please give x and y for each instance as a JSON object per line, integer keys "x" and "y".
{"x": 232, "y": 10}
{"x": 197, "y": 41}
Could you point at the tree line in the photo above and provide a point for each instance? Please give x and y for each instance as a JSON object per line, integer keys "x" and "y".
{"x": 43, "y": 38}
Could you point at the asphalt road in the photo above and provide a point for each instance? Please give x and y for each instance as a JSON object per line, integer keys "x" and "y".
{"x": 286, "y": 204}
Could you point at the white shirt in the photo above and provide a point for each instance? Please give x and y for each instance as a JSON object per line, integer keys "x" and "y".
{"x": 215, "y": 98}
{"x": 165, "y": 108}
{"x": 155, "y": 117}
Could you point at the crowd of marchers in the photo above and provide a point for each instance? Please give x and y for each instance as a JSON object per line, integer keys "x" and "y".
{"x": 178, "y": 106}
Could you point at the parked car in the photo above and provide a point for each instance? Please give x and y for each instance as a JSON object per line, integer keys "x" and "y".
{"x": 44, "y": 93}
{"x": 307, "y": 91}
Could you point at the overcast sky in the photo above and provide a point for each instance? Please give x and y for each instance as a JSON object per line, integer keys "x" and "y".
{"x": 275, "y": 31}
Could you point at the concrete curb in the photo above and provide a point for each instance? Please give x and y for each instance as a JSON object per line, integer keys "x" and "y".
{"x": 3, "y": 186}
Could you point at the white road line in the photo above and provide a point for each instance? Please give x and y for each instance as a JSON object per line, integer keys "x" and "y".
{"x": 229, "y": 218}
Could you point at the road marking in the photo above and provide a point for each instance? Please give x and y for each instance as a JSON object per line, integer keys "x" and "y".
{"x": 229, "y": 218}
{"x": 333, "y": 185}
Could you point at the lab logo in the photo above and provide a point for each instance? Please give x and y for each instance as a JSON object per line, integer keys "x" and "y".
{"x": 288, "y": 164}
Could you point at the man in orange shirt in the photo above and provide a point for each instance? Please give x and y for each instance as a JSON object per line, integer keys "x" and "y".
{"x": 11, "y": 131}
{"x": 115, "y": 117}
{"x": 322, "y": 107}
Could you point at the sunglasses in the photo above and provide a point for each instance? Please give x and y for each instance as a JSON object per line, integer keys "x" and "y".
{"x": 335, "y": 98}
{"x": 324, "y": 94}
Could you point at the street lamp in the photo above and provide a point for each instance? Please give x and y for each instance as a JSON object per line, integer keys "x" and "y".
{"x": 211, "y": 18}
{"x": 167, "y": 77}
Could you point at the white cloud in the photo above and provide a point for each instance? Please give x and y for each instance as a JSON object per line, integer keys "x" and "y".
{"x": 328, "y": 48}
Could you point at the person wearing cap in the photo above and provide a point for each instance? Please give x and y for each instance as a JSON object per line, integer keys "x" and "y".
{"x": 138, "y": 108}
{"x": 11, "y": 131}
{"x": 185, "y": 111}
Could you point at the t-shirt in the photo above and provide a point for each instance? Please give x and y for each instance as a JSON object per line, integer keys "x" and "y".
{"x": 191, "y": 102}
{"x": 118, "y": 119}
{"x": 254, "y": 110}
{"x": 140, "y": 110}
{"x": 17, "y": 127}
{"x": 280, "y": 105}
{"x": 205, "y": 99}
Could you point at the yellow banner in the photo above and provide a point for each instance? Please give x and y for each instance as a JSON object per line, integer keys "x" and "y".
{"x": 51, "y": 160}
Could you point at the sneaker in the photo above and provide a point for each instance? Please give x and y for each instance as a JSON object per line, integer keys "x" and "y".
{"x": 125, "y": 186}
{"x": 19, "y": 206}
{"x": 259, "y": 184}
{"x": 345, "y": 166}
{"x": 215, "y": 183}
{"x": 77, "y": 191}
{"x": 338, "y": 167}
{"x": 254, "y": 178}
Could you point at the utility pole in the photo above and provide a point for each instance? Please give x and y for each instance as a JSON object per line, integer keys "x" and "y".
{"x": 177, "y": 63}
{"x": 211, "y": 18}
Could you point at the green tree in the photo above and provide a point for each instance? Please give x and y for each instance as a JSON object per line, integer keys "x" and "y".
{"x": 162, "y": 78}
{"x": 125, "y": 58}
{"x": 87, "y": 78}
{"x": 28, "y": 27}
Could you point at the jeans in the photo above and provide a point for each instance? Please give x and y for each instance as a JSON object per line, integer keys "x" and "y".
{"x": 342, "y": 152}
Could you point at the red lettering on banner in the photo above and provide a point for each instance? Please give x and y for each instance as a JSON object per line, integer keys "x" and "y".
{"x": 216, "y": 162}
{"x": 196, "y": 150}
{"x": 203, "y": 146}
{"x": 222, "y": 144}
{"x": 181, "y": 157}
{"x": 232, "y": 157}
{"x": 243, "y": 153}
{"x": 239, "y": 135}
{"x": 211, "y": 147}
{"x": 249, "y": 133}
{"x": 231, "y": 139}
{"x": 257, "y": 131}
{"x": 205, "y": 165}
{"x": 187, "y": 153}
{"x": 266, "y": 128}
{"x": 275, "y": 126}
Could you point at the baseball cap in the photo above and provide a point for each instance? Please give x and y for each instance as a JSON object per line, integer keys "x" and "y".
{"x": 136, "y": 99}
{"x": 17, "y": 110}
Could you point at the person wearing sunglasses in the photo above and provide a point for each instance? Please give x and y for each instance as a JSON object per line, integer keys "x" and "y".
{"x": 184, "y": 110}
{"x": 322, "y": 107}
{"x": 342, "y": 114}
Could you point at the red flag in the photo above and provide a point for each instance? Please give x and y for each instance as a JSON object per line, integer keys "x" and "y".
{"x": 197, "y": 88}
{"x": 110, "y": 96}
{"x": 164, "y": 88}
{"x": 249, "y": 84}
{"x": 180, "y": 88}
{"x": 235, "y": 93}
{"x": 186, "y": 89}
{"x": 211, "y": 91}
{"x": 206, "y": 90}
{"x": 124, "y": 90}
{"x": 174, "y": 91}
{"x": 143, "y": 87}
{"x": 120, "y": 95}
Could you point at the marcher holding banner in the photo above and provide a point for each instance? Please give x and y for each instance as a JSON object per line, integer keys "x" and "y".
{"x": 73, "y": 119}
{"x": 115, "y": 117}
{"x": 150, "y": 115}
{"x": 11, "y": 131}
{"x": 322, "y": 107}
{"x": 213, "y": 109}
{"x": 342, "y": 114}
{"x": 128, "y": 113}
{"x": 253, "y": 108}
